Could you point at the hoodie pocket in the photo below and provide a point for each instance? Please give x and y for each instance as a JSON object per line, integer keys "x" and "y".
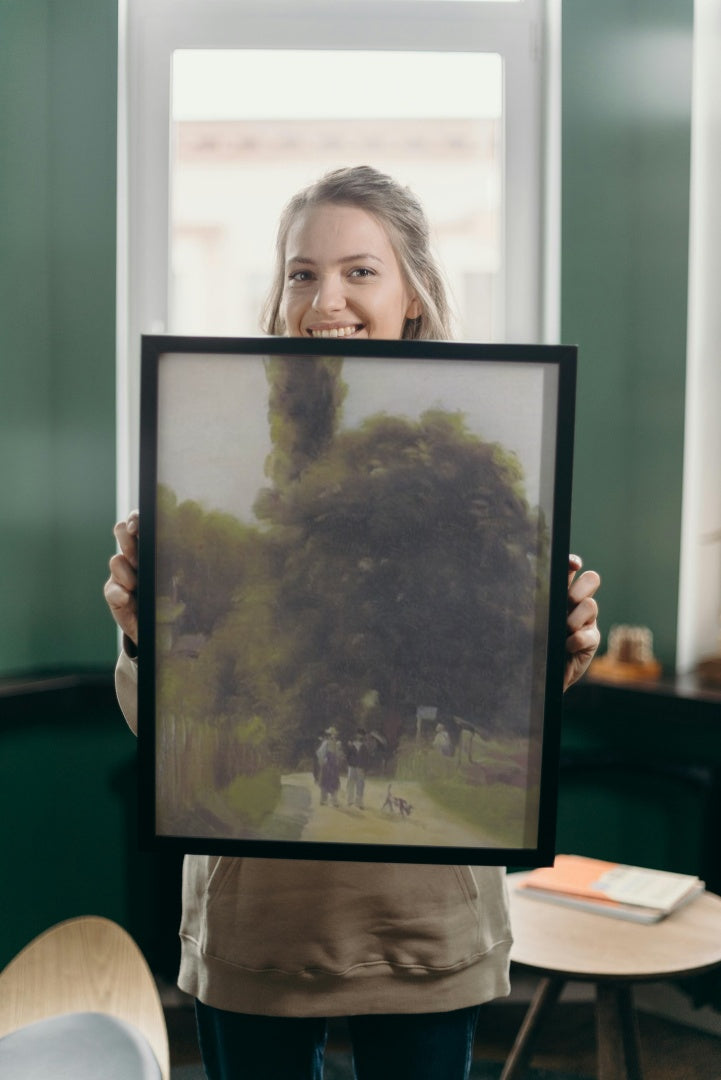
{"x": 301, "y": 916}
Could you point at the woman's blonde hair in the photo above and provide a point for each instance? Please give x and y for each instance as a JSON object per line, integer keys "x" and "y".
{"x": 403, "y": 217}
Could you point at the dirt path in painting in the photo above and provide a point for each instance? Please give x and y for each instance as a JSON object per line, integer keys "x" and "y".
{"x": 428, "y": 824}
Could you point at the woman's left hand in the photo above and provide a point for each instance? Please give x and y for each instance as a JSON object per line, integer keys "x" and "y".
{"x": 583, "y": 635}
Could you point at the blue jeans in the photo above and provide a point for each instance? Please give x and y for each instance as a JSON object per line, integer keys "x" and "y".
{"x": 415, "y": 1046}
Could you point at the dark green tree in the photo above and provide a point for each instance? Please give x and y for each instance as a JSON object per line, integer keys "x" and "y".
{"x": 306, "y": 395}
{"x": 410, "y": 568}
{"x": 205, "y": 558}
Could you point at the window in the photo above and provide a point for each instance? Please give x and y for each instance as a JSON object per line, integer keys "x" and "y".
{"x": 236, "y": 160}
{"x": 227, "y": 107}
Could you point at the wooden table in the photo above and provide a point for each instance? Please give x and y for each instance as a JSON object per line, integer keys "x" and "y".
{"x": 562, "y": 944}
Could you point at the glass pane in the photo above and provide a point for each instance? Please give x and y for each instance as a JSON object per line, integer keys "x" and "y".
{"x": 250, "y": 128}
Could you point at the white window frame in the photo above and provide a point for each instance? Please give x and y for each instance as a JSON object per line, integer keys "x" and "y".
{"x": 526, "y": 34}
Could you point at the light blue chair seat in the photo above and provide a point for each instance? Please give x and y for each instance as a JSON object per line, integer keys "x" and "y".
{"x": 78, "y": 1046}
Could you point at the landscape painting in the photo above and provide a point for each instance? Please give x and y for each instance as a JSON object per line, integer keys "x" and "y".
{"x": 352, "y": 596}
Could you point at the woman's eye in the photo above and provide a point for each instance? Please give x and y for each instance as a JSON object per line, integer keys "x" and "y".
{"x": 362, "y": 272}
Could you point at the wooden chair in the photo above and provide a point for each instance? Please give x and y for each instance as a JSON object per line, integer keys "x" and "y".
{"x": 90, "y": 972}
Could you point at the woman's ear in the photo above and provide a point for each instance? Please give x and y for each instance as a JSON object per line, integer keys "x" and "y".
{"x": 415, "y": 309}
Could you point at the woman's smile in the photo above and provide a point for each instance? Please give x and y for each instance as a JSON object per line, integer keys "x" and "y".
{"x": 335, "y": 331}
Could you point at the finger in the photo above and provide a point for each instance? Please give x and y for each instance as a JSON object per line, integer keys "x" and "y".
{"x": 123, "y": 573}
{"x": 575, "y": 563}
{"x": 585, "y": 585}
{"x": 119, "y": 599}
{"x": 584, "y": 613}
{"x": 583, "y": 641}
{"x": 126, "y": 534}
{"x": 123, "y": 608}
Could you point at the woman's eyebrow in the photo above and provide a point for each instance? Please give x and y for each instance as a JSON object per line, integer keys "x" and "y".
{"x": 361, "y": 257}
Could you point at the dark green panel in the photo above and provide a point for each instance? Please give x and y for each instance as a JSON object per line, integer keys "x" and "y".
{"x": 69, "y": 803}
{"x": 626, "y": 147}
{"x": 641, "y": 777}
{"x": 58, "y": 80}
{"x": 62, "y": 785}
{"x": 628, "y": 817}
{"x": 82, "y": 272}
{"x": 26, "y": 490}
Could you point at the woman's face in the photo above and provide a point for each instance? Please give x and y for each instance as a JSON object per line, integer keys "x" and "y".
{"x": 342, "y": 277}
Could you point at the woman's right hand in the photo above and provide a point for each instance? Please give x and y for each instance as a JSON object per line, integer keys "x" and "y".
{"x": 121, "y": 587}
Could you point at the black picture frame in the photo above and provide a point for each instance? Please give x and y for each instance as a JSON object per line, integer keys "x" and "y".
{"x": 373, "y": 597}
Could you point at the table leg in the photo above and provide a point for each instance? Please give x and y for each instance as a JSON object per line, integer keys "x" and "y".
{"x": 617, "y": 1033}
{"x": 545, "y": 997}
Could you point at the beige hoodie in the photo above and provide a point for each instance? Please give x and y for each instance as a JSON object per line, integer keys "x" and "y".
{"x": 284, "y": 937}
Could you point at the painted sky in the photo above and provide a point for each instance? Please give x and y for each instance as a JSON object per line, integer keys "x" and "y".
{"x": 213, "y": 426}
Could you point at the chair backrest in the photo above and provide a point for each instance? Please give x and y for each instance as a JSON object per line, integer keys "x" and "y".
{"x": 87, "y": 964}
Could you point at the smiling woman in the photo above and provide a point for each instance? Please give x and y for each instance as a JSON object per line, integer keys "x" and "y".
{"x": 353, "y": 259}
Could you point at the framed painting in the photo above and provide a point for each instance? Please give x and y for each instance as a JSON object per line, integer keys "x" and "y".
{"x": 352, "y": 597}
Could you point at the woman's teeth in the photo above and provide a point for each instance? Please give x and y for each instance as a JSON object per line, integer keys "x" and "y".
{"x": 336, "y": 332}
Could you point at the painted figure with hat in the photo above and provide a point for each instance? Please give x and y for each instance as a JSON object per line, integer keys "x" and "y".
{"x": 330, "y": 760}
{"x": 358, "y": 754}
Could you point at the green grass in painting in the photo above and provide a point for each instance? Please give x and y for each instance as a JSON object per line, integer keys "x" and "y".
{"x": 500, "y": 807}
{"x": 252, "y": 798}
{"x": 490, "y": 789}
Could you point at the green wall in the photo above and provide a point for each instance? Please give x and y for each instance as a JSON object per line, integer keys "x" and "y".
{"x": 625, "y": 200}
{"x": 67, "y": 772}
{"x": 58, "y": 72}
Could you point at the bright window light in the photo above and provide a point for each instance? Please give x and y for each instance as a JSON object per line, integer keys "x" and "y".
{"x": 222, "y": 84}
{"x": 238, "y": 156}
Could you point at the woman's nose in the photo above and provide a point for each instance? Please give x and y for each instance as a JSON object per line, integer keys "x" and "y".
{"x": 329, "y": 296}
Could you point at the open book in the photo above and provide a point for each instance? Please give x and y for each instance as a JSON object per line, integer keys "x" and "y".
{"x": 608, "y": 888}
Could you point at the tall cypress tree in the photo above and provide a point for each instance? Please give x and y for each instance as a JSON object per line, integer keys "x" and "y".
{"x": 304, "y": 408}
